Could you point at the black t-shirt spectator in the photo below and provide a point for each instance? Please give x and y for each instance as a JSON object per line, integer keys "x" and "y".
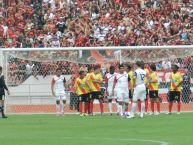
{"x": 61, "y": 26}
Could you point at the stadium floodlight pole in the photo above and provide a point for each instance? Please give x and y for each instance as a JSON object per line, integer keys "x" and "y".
{"x": 101, "y": 48}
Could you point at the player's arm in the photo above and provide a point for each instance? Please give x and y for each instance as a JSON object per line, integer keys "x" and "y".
{"x": 114, "y": 84}
{"x": 129, "y": 82}
{"x": 106, "y": 85}
{"x": 75, "y": 85}
{"x": 180, "y": 83}
{"x": 88, "y": 78}
{"x": 65, "y": 84}
{"x": 100, "y": 80}
{"x": 134, "y": 79}
{"x": 52, "y": 87}
{"x": 152, "y": 79}
{"x": 4, "y": 85}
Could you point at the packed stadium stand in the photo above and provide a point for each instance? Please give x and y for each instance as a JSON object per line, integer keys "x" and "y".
{"x": 63, "y": 23}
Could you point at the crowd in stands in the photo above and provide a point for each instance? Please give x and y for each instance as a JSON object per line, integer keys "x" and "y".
{"x": 72, "y": 23}
{"x": 64, "y": 23}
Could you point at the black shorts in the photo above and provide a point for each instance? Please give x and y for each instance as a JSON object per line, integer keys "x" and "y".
{"x": 84, "y": 97}
{"x": 130, "y": 95}
{"x": 174, "y": 96}
{"x": 153, "y": 94}
{"x": 96, "y": 95}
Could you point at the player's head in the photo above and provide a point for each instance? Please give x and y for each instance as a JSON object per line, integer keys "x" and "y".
{"x": 153, "y": 67}
{"x": 112, "y": 69}
{"x": 129, "y": 67}
{"x": 82, "y": 74}
{"x": 140, "y": 64}
{"x": 90, "y": 69}
{"x": 58, "y": 71}
{"x": 1, "y": 69}
{"x": 97, "y": 69}
{"x": 175, "y": 67}
{"x": 121, "y": 68}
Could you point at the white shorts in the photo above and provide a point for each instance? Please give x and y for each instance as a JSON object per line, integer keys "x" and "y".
{"x": 61, "y": 97}
{"x": 139, "y": 93}
{"x": 110, "y": 96}
{"x": 122, "y": 96}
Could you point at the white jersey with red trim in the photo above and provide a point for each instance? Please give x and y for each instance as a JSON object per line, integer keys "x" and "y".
{"x": 59, "y": 88}
{"x": 122, "y": 81}
{"x": 109, "y": 79}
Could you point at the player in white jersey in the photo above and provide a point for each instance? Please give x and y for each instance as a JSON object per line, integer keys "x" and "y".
{"x": 139, "y": 89}
{"x": 109, "y": 81}
{"x": 58, "y": 90}
{"x": 121, "y": 83}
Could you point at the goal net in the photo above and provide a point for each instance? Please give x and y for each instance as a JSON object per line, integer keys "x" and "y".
{"x": 28, "y": 72}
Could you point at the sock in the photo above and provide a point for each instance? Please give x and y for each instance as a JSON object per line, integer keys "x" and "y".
{"x": 80, "y": 107}
{"x": 178, "y": 106}
{"x": 133, "y": 108}
{"x": 170, "y": 107}
{"x": 152, "y": 106}
{"x": 142, "y": 107}
{"x": 63, "y": 106}
{"x": 124, "y": 107}
{"x": 158, "y": 106}
{"x": 139, "y": 106}
{"x": 110, "y": 107}
{"x": 2, "y": 110}
{"x": 117, "y": 104}
{"x": 146, "y": 105}
{"x": 88, "y": 107}
{"x": 91, "y": 107}
{"x": 85, "y": 107}
{"x": 101, "y": 107}
{"x": 120, "y": 109}
{"x": 58, "y": 108}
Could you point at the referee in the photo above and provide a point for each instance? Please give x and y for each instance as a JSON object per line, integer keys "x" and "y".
{"x": 3, "y": 87}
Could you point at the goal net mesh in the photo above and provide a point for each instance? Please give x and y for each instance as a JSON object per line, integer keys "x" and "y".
{"x": 28, "y": 73}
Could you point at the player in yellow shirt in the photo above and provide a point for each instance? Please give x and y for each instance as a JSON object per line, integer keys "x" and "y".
{"x": 82, "y": 91}
{"x": 131, "y": 76}
{"x": 96, "y": 80}
{"x": 90, "y": 101}
{"x": 153, "y": 89}
{"x": 175, "y": 88}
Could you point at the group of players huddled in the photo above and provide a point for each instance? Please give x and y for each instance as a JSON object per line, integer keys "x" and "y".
{"x": 123, "y": 84}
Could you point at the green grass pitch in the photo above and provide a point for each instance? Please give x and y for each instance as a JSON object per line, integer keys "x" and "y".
{"x": 97, "y": 130}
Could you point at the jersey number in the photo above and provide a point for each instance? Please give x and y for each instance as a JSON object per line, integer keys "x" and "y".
{"x": 142, "y": 77}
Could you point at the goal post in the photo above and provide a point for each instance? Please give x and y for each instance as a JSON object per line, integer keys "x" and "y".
{"x": 28, "y": 71}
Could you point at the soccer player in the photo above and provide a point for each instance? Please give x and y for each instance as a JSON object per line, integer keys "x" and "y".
{"x": 109, "y": 80}
{"x": 89, "y": 82}
{"x": 121, "y": 82}
{"x": 145, "y": 67}
{"x": 82, "y": 90}
{"x": 139, "y": 89}
{"x": 131, "y": 75}
{"x": 96, "y": 80}
{"x": 153, "y": 89}
{"x": 3, "y": 87}
{"x": 58, "y": 90}
{"x": 175, "y": 88}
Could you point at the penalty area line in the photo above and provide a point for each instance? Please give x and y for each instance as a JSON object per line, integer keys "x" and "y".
{"x": 139, "y": 140}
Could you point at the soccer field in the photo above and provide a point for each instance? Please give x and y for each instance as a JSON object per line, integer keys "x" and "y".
{"x": 97, "y": 130}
